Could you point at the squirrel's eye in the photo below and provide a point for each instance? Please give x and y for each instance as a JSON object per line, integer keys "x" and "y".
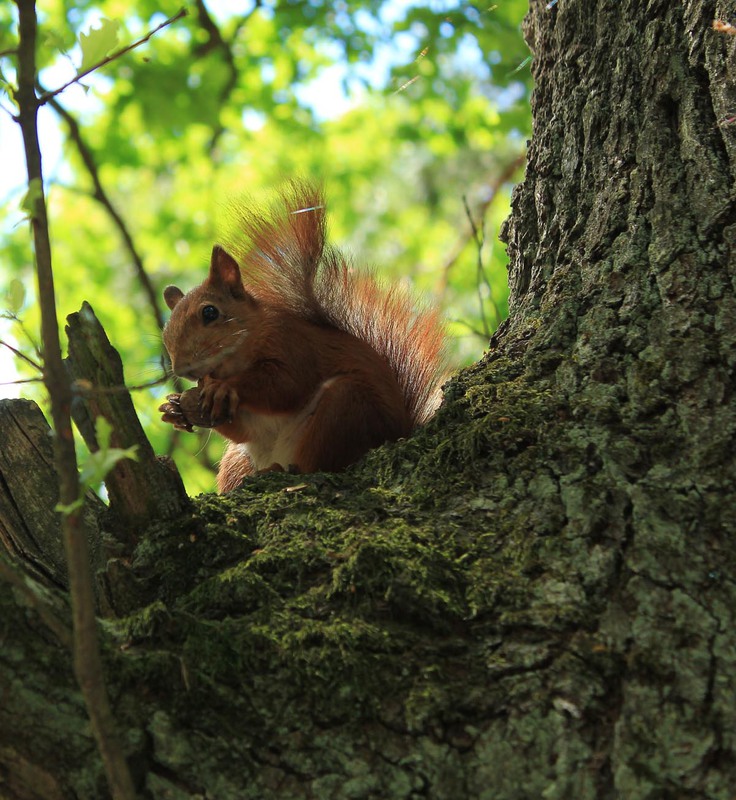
{"x": 209, "y": 314}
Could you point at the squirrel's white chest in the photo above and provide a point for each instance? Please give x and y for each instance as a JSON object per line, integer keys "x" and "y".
{"x": 274, "y": 439}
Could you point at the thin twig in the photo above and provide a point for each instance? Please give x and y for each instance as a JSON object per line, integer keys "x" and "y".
{"x": 85, "y": 388}
{"x": 479, "y": 239}
{"x": 214, "y": 41}
{"x": 103, "y": 198}
{"x": 29, "y": 338}
{"x": 503, "y": 177}
{"x": 17, "y": 353}
{"x": 20, "y": 381}
{"x": 8, "y": 112}
{"x": 46, "y": 96}
{"x": 472, "y": 331}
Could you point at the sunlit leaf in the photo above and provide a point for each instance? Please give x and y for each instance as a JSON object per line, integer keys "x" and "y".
{"x": 98, "y": 43}
{"x": 7, "y": 87}
{"x": 31, "y": 199}
{"x": 98, "y": 464}
{"x": 53, "y": 40}
{"x": 15, "y": 296}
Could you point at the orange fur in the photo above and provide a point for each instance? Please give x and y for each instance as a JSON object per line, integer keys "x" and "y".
{"x": 312, "y": 362}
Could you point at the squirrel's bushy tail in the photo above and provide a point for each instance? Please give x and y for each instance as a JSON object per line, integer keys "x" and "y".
{"x": 286, "y": 262}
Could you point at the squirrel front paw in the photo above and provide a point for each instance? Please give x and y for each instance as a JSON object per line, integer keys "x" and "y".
{"x": 187, "y": 409}
{"x": 173, "y": 412}
{"x": 218, "y": 399}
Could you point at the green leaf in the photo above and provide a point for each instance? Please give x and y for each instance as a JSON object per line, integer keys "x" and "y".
{"x": 53, "y": 40}
{"x": 15, "y": 296}
{"x": 32, "y": 198}
{"x": 103, "y": 432}
{"x": 7, "y": 87}
{"x": 70, "y": 508}
{"x": 97, "y": 44}
{"x": 97, "y": 465}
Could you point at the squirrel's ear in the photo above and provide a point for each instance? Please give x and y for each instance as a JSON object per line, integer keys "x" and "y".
{"x": 172, "y": 295}
{"x": 225, "y": 273}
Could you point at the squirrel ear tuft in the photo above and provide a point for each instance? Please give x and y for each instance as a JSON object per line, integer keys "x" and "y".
{"x": 172, "y": 295}
{"x": 225, "y": 273}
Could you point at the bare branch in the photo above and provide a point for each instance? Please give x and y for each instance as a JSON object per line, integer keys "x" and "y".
{"x": 20, "y": 381}
{"x": 215, "y": 41}
{"x": 13, "y": 317}
{"x": 8, "y": 112}
{"x": 504, "y": 176}
{"x": 103, "y": 198}
{"x": 85, "y": 388}
{"x": 482, "y": 279}
{"x": 471, "y": 330}
{"x": 17, "y": 353}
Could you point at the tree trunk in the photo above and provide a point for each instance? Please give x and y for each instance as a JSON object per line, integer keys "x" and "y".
{"x": 534, "y": 596}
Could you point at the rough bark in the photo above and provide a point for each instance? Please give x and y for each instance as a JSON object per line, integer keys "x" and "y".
{"x": 534, "y": 596}
{"x": 30, "y": 528}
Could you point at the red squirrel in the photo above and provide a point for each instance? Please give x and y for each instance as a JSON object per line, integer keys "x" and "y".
{"x": 302, "y": 362}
